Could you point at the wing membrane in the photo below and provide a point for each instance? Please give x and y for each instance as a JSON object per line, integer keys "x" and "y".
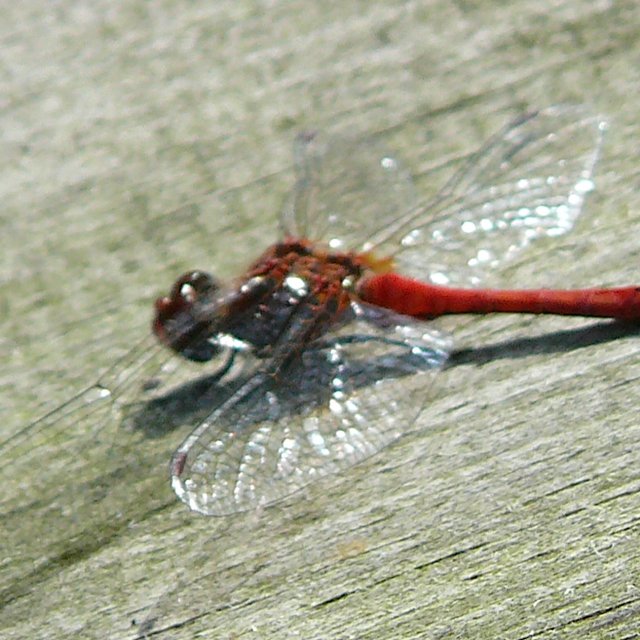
{"x": 73, "y": 470}
{"x": 528, "y": 181}
{"x": 343, "y": 189}
{"x": 343, "y": 399}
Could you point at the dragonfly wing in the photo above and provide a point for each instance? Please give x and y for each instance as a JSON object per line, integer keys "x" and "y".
{"x": 74, "y": 477}
{"x": 74, "y": 422}
{"x": 341, "y": 400}
{"x": 527, "y": 182}
{"x": 342, "y": 186}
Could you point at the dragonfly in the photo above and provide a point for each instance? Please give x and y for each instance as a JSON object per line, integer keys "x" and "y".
{"x": 321, "y": 353}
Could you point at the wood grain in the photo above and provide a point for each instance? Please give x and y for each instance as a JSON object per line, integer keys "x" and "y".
{"x": 142, "y": 139}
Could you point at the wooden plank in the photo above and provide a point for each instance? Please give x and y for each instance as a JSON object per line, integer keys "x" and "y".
{"x": 141, "y": 140}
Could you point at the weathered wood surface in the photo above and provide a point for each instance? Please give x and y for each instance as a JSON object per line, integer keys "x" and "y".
{"x": 511, "y": 511}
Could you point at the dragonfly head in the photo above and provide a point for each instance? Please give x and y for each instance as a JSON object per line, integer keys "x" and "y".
{"x": 180, "y": 322}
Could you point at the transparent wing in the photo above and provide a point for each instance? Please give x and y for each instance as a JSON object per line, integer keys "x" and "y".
{"x": 342, "y": 400}
{"x": 72, "y": 471}
{"x": 80, "y": 420}
{"x": 343, "y": 189}
{"x": 93, "y": 425}
{"x": 528, "y": 181}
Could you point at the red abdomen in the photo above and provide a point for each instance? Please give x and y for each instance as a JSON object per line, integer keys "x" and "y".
{"x": 422, "y": 300}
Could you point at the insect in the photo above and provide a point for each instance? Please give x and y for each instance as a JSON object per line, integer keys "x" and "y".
{"x": 322, "y": 347}
{"x": 329, "y": 316}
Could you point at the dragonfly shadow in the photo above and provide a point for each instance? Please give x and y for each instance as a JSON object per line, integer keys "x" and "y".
{"x": 304, "y": 385}
{"x": 298, "y": 392}
{"x": 549, "y": 343}
{"x": 189, "y": 403}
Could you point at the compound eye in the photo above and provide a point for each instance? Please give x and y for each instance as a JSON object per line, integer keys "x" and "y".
{"x": 193, "y": 285}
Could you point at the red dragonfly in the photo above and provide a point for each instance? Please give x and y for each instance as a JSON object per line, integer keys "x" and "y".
{"x": 322, "y": 345}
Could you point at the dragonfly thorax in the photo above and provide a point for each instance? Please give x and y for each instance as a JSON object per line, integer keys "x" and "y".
{"x": 293, "y": 292}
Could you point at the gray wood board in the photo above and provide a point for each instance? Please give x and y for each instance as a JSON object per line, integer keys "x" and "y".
{"x": 140, "y": 140}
